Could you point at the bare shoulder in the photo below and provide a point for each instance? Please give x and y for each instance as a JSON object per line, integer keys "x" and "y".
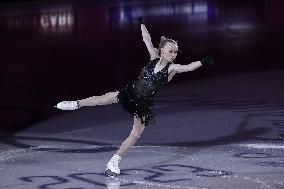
{"x": 173, "y": 67}
{"x": 154, "y": 57}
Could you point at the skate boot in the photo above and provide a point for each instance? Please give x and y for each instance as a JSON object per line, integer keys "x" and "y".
{"x": 112, "y": 169}
{"x": 67, "y": 105}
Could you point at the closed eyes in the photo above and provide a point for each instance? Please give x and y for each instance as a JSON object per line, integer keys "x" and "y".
{"x": 173, "y": 51}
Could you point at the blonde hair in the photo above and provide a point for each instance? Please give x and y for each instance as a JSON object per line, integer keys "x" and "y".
{"x": 163, "y": 42}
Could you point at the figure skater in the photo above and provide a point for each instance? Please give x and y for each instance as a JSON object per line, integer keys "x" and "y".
{"x": 138, "y": 97}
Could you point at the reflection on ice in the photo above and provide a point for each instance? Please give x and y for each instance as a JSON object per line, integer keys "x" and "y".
{"x": 112, "y": 183}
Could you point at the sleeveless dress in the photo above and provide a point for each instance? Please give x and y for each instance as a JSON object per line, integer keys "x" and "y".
{"x": 137, "y": 98}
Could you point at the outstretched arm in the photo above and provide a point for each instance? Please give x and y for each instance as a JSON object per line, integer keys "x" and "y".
{"x": 177, "y": 68}
{"x": 185, "y": 68}
{"x": 147, "y": 40}
{"x": 207, "y": 61}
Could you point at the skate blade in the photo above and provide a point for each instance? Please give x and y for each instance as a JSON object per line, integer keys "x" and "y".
{"x": 109, "y": 173}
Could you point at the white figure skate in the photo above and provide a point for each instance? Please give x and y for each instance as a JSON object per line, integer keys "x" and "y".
{"x": 67, "y": 105}
{"x": 112, "y": 169}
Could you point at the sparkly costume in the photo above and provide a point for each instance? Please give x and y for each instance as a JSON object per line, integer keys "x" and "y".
{"x": 138, "y": 97}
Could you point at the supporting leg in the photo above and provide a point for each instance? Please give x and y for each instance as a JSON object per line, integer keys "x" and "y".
{"x": 112, "y": 166}
{"x": 137, "y": 130}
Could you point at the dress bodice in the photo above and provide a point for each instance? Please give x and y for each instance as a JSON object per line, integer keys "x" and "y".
{"x": 151, "y": 82}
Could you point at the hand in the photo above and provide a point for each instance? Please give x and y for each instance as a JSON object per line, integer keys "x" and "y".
{"x": 207, "y": 61}
{"x": 140, "y": 20}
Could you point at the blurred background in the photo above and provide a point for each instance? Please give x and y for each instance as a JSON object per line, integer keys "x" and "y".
{"x": 67, "y": 50}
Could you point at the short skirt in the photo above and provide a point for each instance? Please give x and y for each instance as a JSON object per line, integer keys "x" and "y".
{"x": 136, "y": 104}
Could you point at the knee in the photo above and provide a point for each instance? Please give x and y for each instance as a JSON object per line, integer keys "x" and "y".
{"x": 109, "y": 98}
{"x": 112, "y": 97}
{"x": 136, "y": 134}
{"x": 138, "y": 128}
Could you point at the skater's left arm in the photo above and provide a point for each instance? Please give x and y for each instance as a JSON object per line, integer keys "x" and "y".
{"x": 207, "y": 61}
{"x": 178, "y": 68}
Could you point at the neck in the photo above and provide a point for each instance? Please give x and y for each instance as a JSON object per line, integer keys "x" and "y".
{"x": 162, "y": 61}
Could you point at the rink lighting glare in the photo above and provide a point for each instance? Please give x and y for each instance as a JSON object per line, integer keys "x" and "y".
{"x": 241, "y": 26}
{"x": 58, "y": 19}
{"x": 199, "y": 8}
{"x": 271, "y": 146}
{"x": 187, "y": 8}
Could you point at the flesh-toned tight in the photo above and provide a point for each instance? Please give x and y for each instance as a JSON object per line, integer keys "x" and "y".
{"x": 110, "y": 98}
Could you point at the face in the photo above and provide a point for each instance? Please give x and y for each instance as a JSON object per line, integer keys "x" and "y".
{"x": 169, "y": 51}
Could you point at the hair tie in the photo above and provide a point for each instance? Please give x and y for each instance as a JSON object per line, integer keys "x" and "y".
{"x": 163, "y": 38}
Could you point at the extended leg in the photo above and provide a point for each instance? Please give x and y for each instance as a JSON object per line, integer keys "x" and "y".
{"x": 108, "y": 98}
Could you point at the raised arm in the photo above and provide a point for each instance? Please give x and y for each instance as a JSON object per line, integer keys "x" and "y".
{"x": 147, "y": 40}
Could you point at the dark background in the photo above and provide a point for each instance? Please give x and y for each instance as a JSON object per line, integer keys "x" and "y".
{"x": 65, "y": 50}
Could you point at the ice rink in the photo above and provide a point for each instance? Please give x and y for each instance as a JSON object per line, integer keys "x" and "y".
{"x": 218, "y": 127}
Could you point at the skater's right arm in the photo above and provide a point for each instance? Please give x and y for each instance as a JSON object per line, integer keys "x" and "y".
{"x": 147, "y": 40}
